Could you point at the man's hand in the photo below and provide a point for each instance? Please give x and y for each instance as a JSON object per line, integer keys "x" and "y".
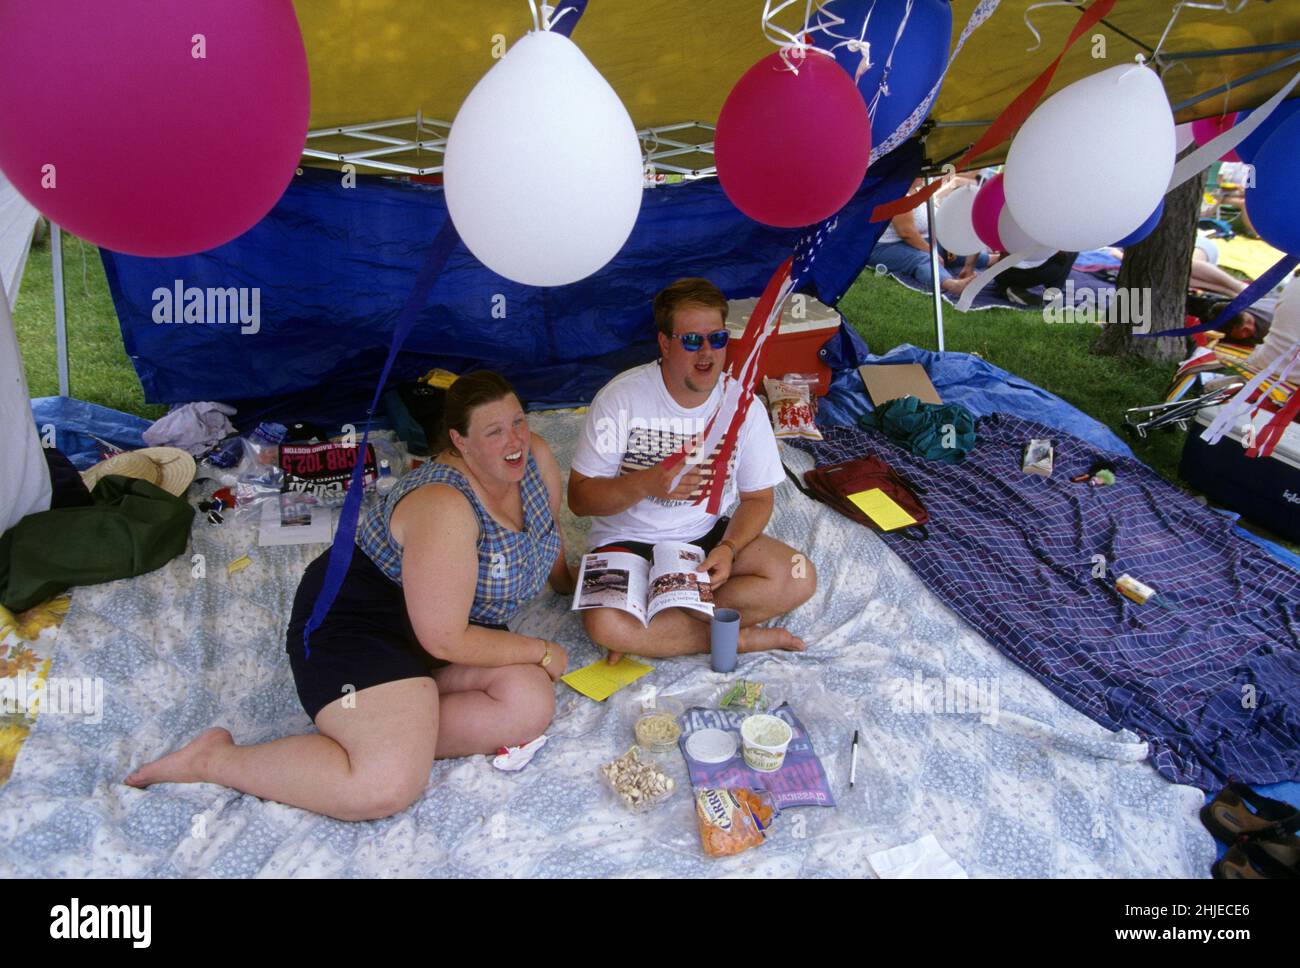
{"x": 661, "y": 480}
{"x": 718, "y": 565}
{"x": 614, "y": 658}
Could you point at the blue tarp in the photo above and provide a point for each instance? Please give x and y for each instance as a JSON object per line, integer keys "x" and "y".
{"x": 73, "y": 425}
{"x": 976, "y": 384}
{"x": 332, "y": 266}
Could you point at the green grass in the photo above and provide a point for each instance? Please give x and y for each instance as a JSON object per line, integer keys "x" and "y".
{"x": 1053, "y": 356}
{"x": 98, "y": 368}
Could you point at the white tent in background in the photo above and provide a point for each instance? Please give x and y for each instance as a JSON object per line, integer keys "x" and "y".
{"x": 24, "y": 477}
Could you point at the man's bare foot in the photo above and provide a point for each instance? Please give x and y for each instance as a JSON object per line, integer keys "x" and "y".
{"x": 185, "y": 765}
{"x": 758, "y": 639}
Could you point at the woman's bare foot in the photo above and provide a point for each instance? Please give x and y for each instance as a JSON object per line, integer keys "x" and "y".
{"x": 758, "y": 639}
{"x": 185, "y": 765}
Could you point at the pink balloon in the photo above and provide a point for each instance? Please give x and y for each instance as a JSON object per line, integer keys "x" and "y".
{"x": 155, "y": 129}
{"x": 1207, "y": 129}
{"x": 989, "y": 201}
{"x": 768, "y": 126}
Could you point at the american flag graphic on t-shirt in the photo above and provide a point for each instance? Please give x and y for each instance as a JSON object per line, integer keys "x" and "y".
{"x": 648, "y": 447}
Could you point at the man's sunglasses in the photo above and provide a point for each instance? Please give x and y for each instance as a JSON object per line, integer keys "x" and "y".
{"x": 695, "y": 341}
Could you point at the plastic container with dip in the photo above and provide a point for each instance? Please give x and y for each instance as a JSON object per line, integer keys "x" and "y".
{"x": 764, "y": 739}
{"x": 657, "y": 726}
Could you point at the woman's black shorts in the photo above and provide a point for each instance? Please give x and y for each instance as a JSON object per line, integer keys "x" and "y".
{"x": 365, "y": 640}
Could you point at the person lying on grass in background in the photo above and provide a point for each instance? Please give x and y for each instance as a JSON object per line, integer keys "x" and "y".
{"x": 414, "y": 662}
{"x": 625, "y": 485}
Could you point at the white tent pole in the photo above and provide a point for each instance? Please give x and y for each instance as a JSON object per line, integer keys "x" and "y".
{"x": 935, "y": 289}
{"x": 60, "y": 312}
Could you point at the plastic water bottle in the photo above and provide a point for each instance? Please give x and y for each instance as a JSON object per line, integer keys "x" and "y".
{"x": 386, "y": 481}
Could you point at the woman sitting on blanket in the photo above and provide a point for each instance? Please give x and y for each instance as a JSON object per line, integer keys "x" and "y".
{"x": 413, "y": 662}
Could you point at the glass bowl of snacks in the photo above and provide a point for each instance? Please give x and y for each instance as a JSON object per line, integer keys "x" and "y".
{"x": 657, "y": 724}
{"x": 638, "y": 781}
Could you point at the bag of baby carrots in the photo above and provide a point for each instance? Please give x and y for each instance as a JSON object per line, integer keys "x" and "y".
{"x": 732, "y": 821}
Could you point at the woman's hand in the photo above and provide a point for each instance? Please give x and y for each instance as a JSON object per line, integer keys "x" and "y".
{"x": 559, "y": 661}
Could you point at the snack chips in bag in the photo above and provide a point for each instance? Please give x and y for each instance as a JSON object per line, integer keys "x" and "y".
{"x": 744, "y": 694}
{"x": 732, "y": 821}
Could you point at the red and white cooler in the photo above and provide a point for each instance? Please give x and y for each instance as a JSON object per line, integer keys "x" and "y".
{"x": 806, "y": 325}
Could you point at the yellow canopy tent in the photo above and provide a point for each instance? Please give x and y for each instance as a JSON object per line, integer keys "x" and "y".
{"x": 674, "y": 61}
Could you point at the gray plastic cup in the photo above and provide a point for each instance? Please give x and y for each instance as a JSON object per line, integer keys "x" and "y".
{"x": 724, "y": 637}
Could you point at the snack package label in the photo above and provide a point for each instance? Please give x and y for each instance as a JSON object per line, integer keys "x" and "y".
{"x": 716, "y": 808}
{"x": 322, "y": 469}
{"x": 790, "y": 405}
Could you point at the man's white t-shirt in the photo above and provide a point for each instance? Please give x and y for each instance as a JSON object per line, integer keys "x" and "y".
{"x": 634, "y": 423}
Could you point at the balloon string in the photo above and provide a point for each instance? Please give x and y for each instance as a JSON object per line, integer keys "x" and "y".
{"x": 1006, "y": 123}
{"x": 976, "y": 285}
{"x": 1222, "y": 5}
{"x": 858, "y": 43}
{"x": 552, "y": 21}
{"x": 794, "y": 48}
{"x": 547, "y": 18}
{"x": 1213, "y": 150}
{"x": 1038, "y": 38}
{"x": 883, "y": 90}
{"x": 879, "y": 148}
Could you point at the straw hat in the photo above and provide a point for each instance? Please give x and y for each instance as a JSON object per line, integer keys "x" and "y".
{"x": 168, "y": 467}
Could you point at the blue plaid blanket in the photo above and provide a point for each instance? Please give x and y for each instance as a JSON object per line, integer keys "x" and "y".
{"x": 1208, "y": 672}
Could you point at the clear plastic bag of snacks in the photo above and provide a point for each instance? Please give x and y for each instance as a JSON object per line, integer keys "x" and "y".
{"x": 790, "y": 403}
{"x": 731, "y": 821}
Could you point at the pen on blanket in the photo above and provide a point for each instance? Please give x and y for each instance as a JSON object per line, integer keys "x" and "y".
{"x": 853, "y": 769}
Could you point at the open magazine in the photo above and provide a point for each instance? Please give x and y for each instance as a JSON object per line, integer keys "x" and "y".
{"x": 619, "y": 579}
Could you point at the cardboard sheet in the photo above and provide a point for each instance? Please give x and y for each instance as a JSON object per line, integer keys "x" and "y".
{"x": 889, "y": 381}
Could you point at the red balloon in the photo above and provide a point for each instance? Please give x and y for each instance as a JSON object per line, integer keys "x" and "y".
{"x": 791, "y": 148}
{"x": 989, "y": 201}
{"x": 1207, "y": 129}
{"x": 155, "y": 129}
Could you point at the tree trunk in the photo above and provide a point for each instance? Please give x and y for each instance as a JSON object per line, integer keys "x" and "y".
{"x": 1159, "y": 267}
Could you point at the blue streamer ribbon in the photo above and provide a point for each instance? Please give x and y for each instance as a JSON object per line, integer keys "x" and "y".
{"x": 345, "y": 537}
{"x": 1244, "y": 300}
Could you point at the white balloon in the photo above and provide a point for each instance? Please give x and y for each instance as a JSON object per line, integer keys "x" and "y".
{"x": 1093, "y": 160}
{"x": 1183, "y": 137}
{"x": 952, "y": 222}
{"x": 543, "y": 169}
{"x": 1016, "y": 239}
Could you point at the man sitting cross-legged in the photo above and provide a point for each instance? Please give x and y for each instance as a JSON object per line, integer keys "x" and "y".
{"x": 619, "y": 478}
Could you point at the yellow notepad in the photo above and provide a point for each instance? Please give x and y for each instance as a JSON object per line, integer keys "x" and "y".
{"x": 882, "y": 509}
{"x": 600, "y": 680}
